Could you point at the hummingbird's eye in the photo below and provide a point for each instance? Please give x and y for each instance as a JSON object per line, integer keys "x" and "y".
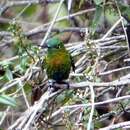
{"x": 58, "y": 46}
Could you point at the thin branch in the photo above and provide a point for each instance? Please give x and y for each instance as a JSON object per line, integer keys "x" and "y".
{"x": 123, "y": 81}
{"x": 115, "y": 126}
{"x": 25, "y": 98}
{"x": 30, "y": 114}
{"x": 112, "y": 28}
{"x": 122, "y": 22}
{"x": 60, "y": 111}
{"x": 58, "y": 30}
{"x": 10, "y": 4}
{"x": 96, "y": 103}
{"x": 52, "y": 23}
{"x": 92, "y": 108}
{"x": 4, "y": 115}
{"x": 115, "y": 70}
{"x": 41, "y": 27}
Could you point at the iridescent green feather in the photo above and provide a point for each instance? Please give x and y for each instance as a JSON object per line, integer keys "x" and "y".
{"x": 58, "y": 60}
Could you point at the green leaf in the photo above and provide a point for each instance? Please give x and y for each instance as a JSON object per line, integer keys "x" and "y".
{"x": 27, "y": 87}
{"x": 6, "y": 64}
{"x": 96, "y": 20}
{"x": 111, "y": 15}
{"x": 125, "y": 10}
{"x": 4, "y": 99}
{"x": 9, "y": 74}
{"x": 64, "y": 97}
{"x": 97, "y": 2}
{"x": 30, "y": 10}
{"x": 23, "y": 63}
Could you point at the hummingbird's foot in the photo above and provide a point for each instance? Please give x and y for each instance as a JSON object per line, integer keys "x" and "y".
{"x": 58, "y": 85}
{"x": 51, "y": 83}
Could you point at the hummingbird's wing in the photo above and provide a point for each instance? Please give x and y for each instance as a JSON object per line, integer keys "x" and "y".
{"x": 72, "y": 63}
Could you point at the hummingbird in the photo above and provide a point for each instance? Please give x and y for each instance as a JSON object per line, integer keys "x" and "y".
{"x": 58, "y": 61}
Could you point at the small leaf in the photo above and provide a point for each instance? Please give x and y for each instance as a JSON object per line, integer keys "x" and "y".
{"x": 27, "y": 87}
{"x": 97, "y": 2}
{"x": 111, "y": 15}
{"x": 9, "y": 74}
{"x": 4, "y": 99}
{"x": 125, "y": 10}
{"x": 23, "y": 63}
{"x": 5, "y": 64}
{"x": 96, "y": 20}
{"x": 30, "y": 10}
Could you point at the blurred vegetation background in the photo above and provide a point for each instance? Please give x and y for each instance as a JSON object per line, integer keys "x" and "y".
{"x": 96, "y": 33}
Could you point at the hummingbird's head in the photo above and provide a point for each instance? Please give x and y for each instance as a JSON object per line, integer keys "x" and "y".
{"x": 55, "y": 43}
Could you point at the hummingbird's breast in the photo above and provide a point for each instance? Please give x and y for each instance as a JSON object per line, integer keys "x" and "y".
{"x": 58, "y": 65}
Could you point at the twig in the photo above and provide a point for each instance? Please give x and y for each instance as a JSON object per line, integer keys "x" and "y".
{"x": 107, "y": 39}
{"x": 25, "y": 98}
{"x": 96, "y": 103}
{"x": 122, "y": 22}
{"x": 89, "y": 104}
{"x": 6, "y": 20}
{"x": 58, "y": 30}
{"x": 4, "y": 115}
{"x": 112, "y": 28}
{"x": 84, "y": 84}
{"x": 21, "y": 12}
{"x": 115, "y": 126}
{"x": 32, "y": 111}
{"x": 16, "y": 81}
{"x": 41, "y": 27}
{"x": 115, "y": 70}
{"x": 21, "y": 3}
{"x": 52, "y": 23}
{"x": 92, "y": 108}
{"x": 127, "y": 60}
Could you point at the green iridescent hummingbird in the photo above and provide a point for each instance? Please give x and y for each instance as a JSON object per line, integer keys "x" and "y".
{"x": 58, "y": 61}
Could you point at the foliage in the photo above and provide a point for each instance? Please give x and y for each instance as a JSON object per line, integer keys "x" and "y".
{"x": 4, "y": 99}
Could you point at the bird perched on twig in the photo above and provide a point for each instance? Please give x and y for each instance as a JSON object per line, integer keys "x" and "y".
{"x": 58, "y": 61}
